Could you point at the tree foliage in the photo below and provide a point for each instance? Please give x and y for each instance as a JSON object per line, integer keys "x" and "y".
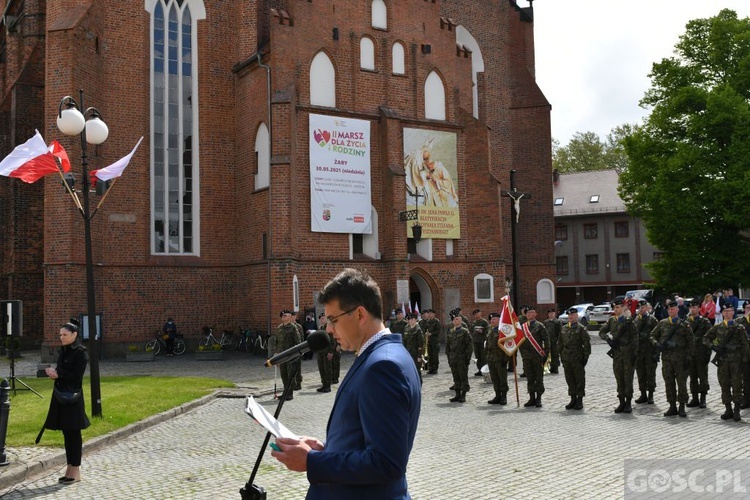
{"x": 586, "y": 152}
{"x": 689, "y": 173}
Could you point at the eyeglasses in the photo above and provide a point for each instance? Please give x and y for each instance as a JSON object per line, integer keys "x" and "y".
{"x": 331, "y": 320}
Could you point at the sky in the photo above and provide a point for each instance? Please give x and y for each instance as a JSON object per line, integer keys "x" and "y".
{"x": 593, "y": 57}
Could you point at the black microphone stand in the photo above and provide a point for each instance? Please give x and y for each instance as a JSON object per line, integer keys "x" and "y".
{"x": 252, "y": 491}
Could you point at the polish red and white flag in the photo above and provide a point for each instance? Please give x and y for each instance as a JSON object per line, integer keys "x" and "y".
{"x": 114, "y": 170}
{"x": 509, "y": 328}
{"x": 33, "y": 159}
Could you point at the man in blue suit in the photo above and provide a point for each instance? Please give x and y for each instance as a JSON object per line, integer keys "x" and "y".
{"x": 374, "y": 419}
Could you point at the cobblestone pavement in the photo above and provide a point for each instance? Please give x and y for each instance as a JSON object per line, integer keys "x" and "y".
{"x": 467, "y": 451}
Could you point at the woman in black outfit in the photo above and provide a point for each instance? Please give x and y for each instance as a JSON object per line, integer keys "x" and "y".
{"x": 69, "y": 418}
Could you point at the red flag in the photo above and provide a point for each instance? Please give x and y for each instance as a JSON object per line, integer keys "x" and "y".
{"x": 30, "y": 161}
{"x": 510, "y": 328}
{"x": 58, "y": 151}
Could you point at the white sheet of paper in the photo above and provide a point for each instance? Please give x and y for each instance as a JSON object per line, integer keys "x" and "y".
{"x": 265, "y": 419}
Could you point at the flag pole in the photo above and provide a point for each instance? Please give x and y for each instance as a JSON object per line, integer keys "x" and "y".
{"x": 105, "y": 195}
{"x": 515, "y": 379}
{"x": 72, "y": 194}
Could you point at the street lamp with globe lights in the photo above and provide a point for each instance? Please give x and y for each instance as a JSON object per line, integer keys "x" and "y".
{"x": 93, "y": 130}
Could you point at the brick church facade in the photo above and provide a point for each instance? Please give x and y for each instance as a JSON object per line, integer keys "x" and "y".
{"x": 211, "y": 221}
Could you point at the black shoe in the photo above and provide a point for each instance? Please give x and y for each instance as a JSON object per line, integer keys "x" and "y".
{"x": 694, "y": 402}
{"x": 531, "y": 402}
{"x": 494, "y": 401}
{"x": 728, "y": 413}
{"x": 672, "y": 411}
{"x": 681, "y": 411}
{"x": 325, "y": 388}
{"x": 642, "y": 399}
{"x": 478, "y": 374}
{"x": 68, "y": 480}
{"x": 289, "y": 398}
{"x": 737, "y": 417}
{"x": 63, "y": 479}
{"x": 503, "y": 398}
{"x": 650, "y": 397}
{"x": 579, "y": 403}
{"x": 335, "y": 381}
{"x": 456, "y": 397}
{"x": 462, "y": 396}
{"x": 621, "y": 407}
{"x": 572, "y": 403}
{"x": 432, "y": 372}
{"x": 702, "y": 402}
{"x": 523, "y": 375}
{"x": 538, "y": 403}
{"x": 628, "y": 407}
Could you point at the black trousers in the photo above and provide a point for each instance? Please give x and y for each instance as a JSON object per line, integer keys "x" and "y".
{"x": 73, "y": 447}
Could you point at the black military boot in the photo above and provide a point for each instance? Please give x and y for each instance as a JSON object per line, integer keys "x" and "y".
{"x": 672, "y": 411}
{"x": 681, "y": 410}
{"x": 628, "y": 407}
{"x": 621, "y": 407}
{"x": 538, "y": 403}
{"x": 531, "y": 401}
{"x": 478, "y": 373}
{"x": 650, "y": 397}
{"x": 503, "y": 398}
{"x": 572, "y": 403}
{"x": 579, "y": 403}
{"x": 702, "y": 403}
{"x": 728, "y": 413}
{"x": 456, "y": 397}
{"x": 736, "y": 415}
{"x": 494, "y": 401}
{"x": 462, "y": 396}
{"x": 642, "y": 399}
{"x": 693, "y": 402}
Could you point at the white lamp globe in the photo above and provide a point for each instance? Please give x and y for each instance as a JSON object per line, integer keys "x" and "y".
{"x": 70, "y": 121}
{"x": 96, "y": 131}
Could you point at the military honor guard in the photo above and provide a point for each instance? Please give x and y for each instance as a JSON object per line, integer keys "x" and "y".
{"x": 698, "y": 370}
{"x": 497, "y": 362}
{"x": 647, "y": 358}
{"x": 478, "y": 329}
{"x": 399, "y": 324}
{"x": 728, "y": 339}
{"x": 575, "y": 348}
{"x": 413, "y": 340}
{"x": 621, "y": 335}
{"x": 431, "y": 330}
{"x": 458, "y": 349}
{"x": 287, "y": 336}
{"x": 674, "y": 339}
{"x": 554, "y": 327}
{"x": 534, "y": 354}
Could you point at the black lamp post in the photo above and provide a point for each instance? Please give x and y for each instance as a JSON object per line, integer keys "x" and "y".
{"x": 406, "y": 215}
{"x": 93, "y": 130}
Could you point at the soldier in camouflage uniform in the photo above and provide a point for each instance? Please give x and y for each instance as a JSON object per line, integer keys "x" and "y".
{"x": 497, "y": 362}
{"x": 533, "y": 361}
{"x": 554, "y": 327}
{"x": 621, "y": 335}
{"x": 325, "y": 357}
{"x": 458, "y": 347}
{"x": 431, "y": 330}
{"x": 478, "y": 329}
{"x": 745, "y": 321}
{"x": 399, "y": 325}
{"x": 701, "y": 357}
{"x": 729, "y": 340}
{"x": 575, "y": 348}
{"x": 287, "y": 335}
{"x": 413, "y": 340}
{"x": 674, "y": 339}
{"x": 298, "y": 376}
{"x": 647, "y": 358}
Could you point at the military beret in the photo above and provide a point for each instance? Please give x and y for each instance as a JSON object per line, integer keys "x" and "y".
{"x": 322, "y": 315}
{"x": 695, "y": 303}
{"x": 728, "y": 306}
{"x": 494, "y": 315}
{"x": 530, "y": 308}
{"x": 399, "y": 311}
{"x": 673, "y": 304}
{"x": 616, "y": 303}
{"x": 572, "y": 310}
{"x": 476, "y": 311}
{"x": 285, "y": 311}
{"x": 410, "y": 316}
{"x": 454, "y": 315}
{"x": 551, "y": 310}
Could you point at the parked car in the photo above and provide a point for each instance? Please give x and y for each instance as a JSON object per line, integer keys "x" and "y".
{"x": 583, "y": 313}
{"x": 601, "y": 313}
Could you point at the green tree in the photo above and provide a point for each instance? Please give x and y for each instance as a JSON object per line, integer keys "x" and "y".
{"x": 586, "y": 151}
{"x": 689, "y": 173}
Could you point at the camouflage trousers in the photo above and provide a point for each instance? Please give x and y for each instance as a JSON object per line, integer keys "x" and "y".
{"x": 499, "y": 375}
{"x": 287, "y": 370}
{"x": 433, "y": 353}
{"x": 730, "y": 380}
{"x": 335, "y": 367}
{"x": 575, "y": 377}
{"x": 699, "y": 370}
{"x": 534, "y": 375}
{"x": 645, "y": 367}
{"x": 460, "y": 372}
{"x": 624, "y": 368}
{"x": 479, "y": 354}
{"x": 325, "y": 367}
{"x": 554, "y": 352}
{"x": 675, "y": 373}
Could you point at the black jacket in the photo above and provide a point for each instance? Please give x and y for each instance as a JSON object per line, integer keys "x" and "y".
{"x": 71, "y": 365}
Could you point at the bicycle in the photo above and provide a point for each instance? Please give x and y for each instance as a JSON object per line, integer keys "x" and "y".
{"x": 158, "y": 343}
{"x": 254, "y": 341}
{"x": 228, "y": 340}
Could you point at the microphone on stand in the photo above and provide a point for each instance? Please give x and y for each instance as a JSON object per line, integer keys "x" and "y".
{"x": 316, "y": 341}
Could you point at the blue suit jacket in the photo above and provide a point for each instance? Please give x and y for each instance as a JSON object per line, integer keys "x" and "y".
{"x": 371, "y": 428}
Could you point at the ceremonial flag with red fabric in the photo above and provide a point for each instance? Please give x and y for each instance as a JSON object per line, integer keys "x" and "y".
{"x": 509, "y": 328}
{"x": 114, "y": 170}
{"x": 32, "y": 160}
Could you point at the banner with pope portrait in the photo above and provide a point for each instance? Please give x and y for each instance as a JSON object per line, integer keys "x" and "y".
{"x": 430, "y": 165}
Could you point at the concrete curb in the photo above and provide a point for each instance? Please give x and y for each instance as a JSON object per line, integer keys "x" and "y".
{"x": 20, "y": 471}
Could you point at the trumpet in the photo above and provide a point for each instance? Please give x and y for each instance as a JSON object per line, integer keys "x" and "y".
{"x": 547, "y": 364}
